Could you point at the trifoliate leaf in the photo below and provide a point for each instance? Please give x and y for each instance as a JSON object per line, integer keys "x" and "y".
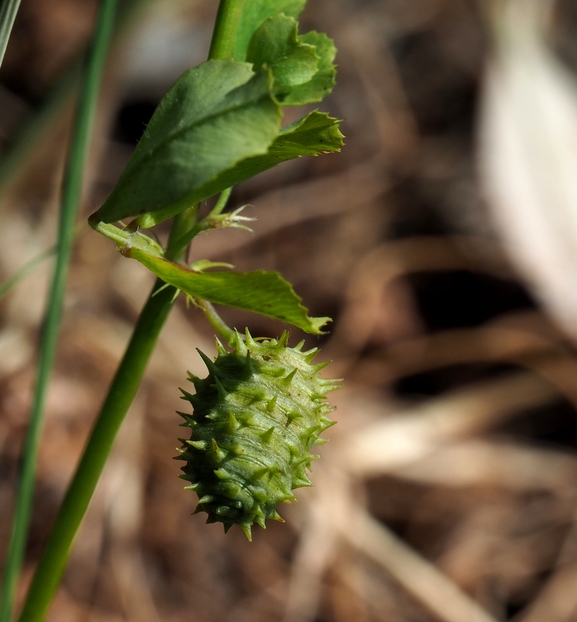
{"x": 266, "y": 293}
{"x": 217, "y": 126}
{"x": 276, "y": 45}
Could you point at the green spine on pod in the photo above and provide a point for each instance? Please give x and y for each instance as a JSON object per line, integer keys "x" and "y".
{"x": 256, "y": 416}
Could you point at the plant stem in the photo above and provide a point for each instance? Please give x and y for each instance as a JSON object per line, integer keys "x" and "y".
{"x": 120, "y": 395}
{"x": 180, "y": 240}
{"x": 221, "y": 203}
{"x": 227, "y": 21}
{"x": 219, "y": 325}
{"x": 183, "y": 222}
{"x": 72, "y": 192}
{"x": 8, "y": 10}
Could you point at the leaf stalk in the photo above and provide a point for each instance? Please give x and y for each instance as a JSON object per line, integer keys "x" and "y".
{"x": 75, "y": 503}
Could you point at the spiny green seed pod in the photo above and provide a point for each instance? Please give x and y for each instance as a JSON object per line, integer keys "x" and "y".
{"x": 255, "y": 419}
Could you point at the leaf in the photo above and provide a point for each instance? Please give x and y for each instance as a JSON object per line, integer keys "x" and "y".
{"x": 315, "y": 134}
{"x": 216, "y": 115}
{"x": 276, "y": 45}
{"x": 266, "y": 293}
{"x": 218, "y": 126}
{"x": 255, "y": 12}
{"x": 323, "y": 82}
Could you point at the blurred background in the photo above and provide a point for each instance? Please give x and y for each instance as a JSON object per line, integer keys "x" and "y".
{"x": 443, "y": 242}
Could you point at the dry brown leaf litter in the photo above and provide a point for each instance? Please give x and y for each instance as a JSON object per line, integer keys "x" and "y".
{"x": 448, "y": 489}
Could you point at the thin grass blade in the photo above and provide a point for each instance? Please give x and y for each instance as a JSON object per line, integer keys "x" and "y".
{"x": 72, "y": 191}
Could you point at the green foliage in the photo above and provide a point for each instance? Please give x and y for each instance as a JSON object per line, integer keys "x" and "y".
{"x": 323, "y": 82}
{"x": 276, "y": 45}
{"x": 315, "y": 134}
{"x": 215, "y": 115}
{"x": 256, "y": 417}
{"x": 255, "y": 12}
{"x": 266, "y": 293}
{"x": 302, "y": 65}
{"x": 220, "y": 124}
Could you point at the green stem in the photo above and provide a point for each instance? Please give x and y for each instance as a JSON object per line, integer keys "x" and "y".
{"x": 183, "y": 222}
{"x": 219, "y": 325}
{"x": 182, "y": 238}
{"x": 72, "y": 191}
{"x": 8, "y": 10}
{"x": 120, "y": 396}
{"x": 225, "y": 28}
{"x": 221, "y": 203}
